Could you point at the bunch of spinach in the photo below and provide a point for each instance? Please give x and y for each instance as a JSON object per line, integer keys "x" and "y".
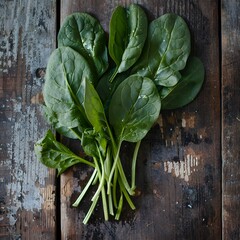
{"x": 104, "y": 103}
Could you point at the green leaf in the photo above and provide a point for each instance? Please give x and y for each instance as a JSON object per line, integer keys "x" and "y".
{"x": 106, "y": 88}
{"x": 128, "y": 32}
{"x": 52, "y": 118}
{"x": 63, "y": 90}
{"x": 55, "y": 155}
{"x": 84, "y": 34}
{"x": 166, "y": 50}
{"x": 95, "y": 110}
{"x": 134, "y": 108}
{"x": 88, "y": 143}
{"x": 187, "y": 88}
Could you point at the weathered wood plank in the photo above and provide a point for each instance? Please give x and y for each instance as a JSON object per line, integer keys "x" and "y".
{"x": 231, "y": 118}
{"x": 179, "y": 165}
{"x": 27, "y": 188}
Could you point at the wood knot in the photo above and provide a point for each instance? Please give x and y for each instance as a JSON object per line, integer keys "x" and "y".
{"x": 40, "y": 72}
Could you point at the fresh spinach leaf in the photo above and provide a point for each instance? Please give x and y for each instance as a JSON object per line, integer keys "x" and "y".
{"x": 84, "y": 34}
{"x": 52, "y": 118}
{"x": 88, "y": 142}
{"x": 63, "y": 90}
{"x": 166, "y": 50}
{"x": 127, "y": 35}
{"x": 134, "y": 108}
{"x": 55, "y": 155}
{"x": 95, "y": 110}
{"x": 106, "y": 88}
{"x": 187, "y": 88}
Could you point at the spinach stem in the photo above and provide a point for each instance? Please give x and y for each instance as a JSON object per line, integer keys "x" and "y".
{"x": 115, "y": 188}
{"x": 76, "y": 203}
{"x": 81, "y": 160}
{"x": 134, "y": 160}
{"x": 126, "y": 195}
{"x": 107, "y": 163}
{"x": 110, "y": 203}
{"x": 116, "y": 151}
{"x": 101, "y": 178}
{"x": 114, "y": 75}
{"x": 90, "y": 211}
{"x": 119, "y": 208}
{"x": 104, "y": 203}
{"x": 113, "y": 169}
{"x": 123, "y": 177}
{"x": 104, "y": 200}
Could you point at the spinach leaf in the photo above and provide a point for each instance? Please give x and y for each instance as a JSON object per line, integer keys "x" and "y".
{"x": 106, "y": 88}
{"x": 55, "y": 155}
{"x": 96, "y": 116}
{"x": 166, "y": 50}
{"x": 52, "y": 118}
{"x": 95, "y": 110}
{"x": 84, "y": 34}
{"x": 88, "y": 142}
{"x": 134, "y": 108}
{"x": 63, "y": 90}
{"x": 128, "y": 32}
{"x": 187, "y": 88}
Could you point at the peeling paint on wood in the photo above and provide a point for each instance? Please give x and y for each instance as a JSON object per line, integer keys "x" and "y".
{"x": 182, "y": 169}
{"x": 27, "y": 189}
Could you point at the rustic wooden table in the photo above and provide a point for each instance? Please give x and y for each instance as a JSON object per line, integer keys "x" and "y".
{"x": 188, "y": 171}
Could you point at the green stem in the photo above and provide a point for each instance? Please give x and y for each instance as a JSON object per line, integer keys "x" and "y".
{"x": 113, "y": 169}
{"x": 119, "y": 209}
{"x": 123, "y": 177}
{"x": 101, "y": 188}
{"x": 134, "y": 161}
{"x": 114, "y": 75}
{"x": 90, "y": 211}
{"x": 115, "y": 188}
{"x": 81, "y": 160}
{"x": 104, "y": 200}
{"x": 101, "y": 179}
{"x": 117, "y": 161}
{"x": 110, "y": 203}
{"x": 76, "y": 203}
{"x": 116, "y": 151}
{"x": 132, "y": 206}
{"x": 107, "y": 163}
{"x": 104, "y": 203}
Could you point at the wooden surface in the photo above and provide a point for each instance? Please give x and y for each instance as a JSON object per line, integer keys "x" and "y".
{"x": 231, "y": 118}
{"x": 188, "y": 166}
{"x": 27, "y": 189}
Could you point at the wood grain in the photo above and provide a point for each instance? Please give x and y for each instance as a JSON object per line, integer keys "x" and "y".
{"x": 27, "y": 188}
{"x": 179, "y": 167}
{"x": 231, "y": 118}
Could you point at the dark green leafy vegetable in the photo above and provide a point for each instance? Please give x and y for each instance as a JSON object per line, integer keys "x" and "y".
{"x": 84, "y": 34}
{"x": 55, "y": 155}
{"x": 63, "y": 91}
{"x": 187, "y": 88}
{"x": 103, "y": 107}
{"x": 134, "y": 108}
{"x": 52, "y": 118}
{"x": 128, "y": 32}
{"x": 95, "y": 110}
{"x": 166, "y": 50}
